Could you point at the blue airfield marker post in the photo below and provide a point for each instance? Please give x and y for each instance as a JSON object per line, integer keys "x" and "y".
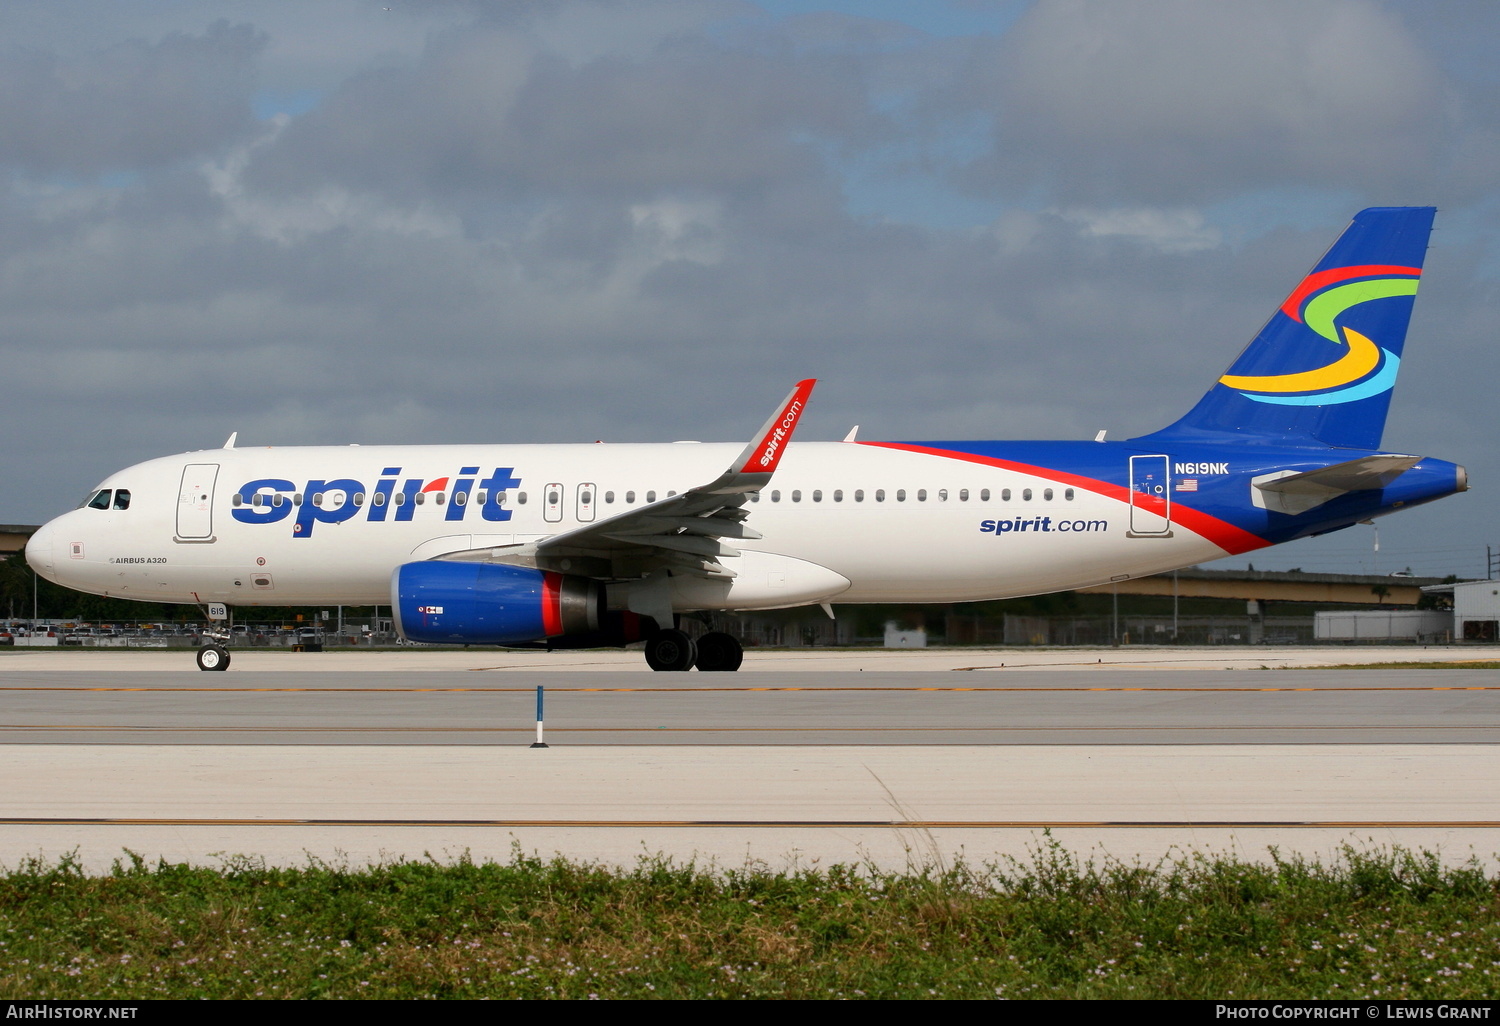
{"x": 539, "y": 743}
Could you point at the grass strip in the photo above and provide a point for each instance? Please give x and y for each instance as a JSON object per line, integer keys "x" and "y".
{"x": 1448, "y": 664}
{"x": 1387, "y": 923}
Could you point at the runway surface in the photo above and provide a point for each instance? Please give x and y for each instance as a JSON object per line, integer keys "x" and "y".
{"x": 796, "y": 708}
{"x": 409, "y": 756}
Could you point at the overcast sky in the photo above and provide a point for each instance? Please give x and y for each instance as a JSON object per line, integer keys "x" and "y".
{"x": 336, "y": 221}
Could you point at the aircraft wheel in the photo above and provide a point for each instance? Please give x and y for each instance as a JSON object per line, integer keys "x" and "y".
{"x": 719, "y": 651}
{"x": 212, "y": 657}
{"x": 671, "y": 650}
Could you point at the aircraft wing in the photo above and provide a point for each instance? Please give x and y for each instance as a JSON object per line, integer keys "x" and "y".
{"x": 682, "y": 533}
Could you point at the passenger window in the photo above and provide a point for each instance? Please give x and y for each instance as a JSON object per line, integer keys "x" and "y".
{"x": 100, "y": 499}
{"x": 257, "y": 500}
{"x": 1068, "y": 495}
{"x": 880, "y": 495}
{"x": 280, "y": 500}
{"x": 609, "y": 497}
{"x": 963, "y": 495}
{"x": 317, "y": 498}
{"x": 984, "y": 495}
{"x": 859, "y": 495}
{"x": 630, "y": 496}
{"x": 1025, "y": 494}
{"x": 796, "y": 495}
{"x": 942, "y": 495}
{"x": 921, "y": 494}
{"x": 670, "y": 494}
{"x": 651, "y": 496}
{"x": 420, "y": 498}
{"x": 399, "y": 499}
{"x": 520, "y": 498}
{"x": 838, "y": 495}
{"x": 237, "y": 500}
{"x": 1047, "y": 494}
{"x": 378, "y": 499}
{"x": 359, "y": 498}
{"x": 122, "y": 499}
{"x": 900, "y": 494}
{"x": 776, "y": 495}
{"x": 480, "y": 496}
{"x": 1005, "y": 495}
{"x": 439, "y": 498}
{"x": 755, "y": 496}
{"x": 817, "y": 495}
{"x": 296, "y": 498}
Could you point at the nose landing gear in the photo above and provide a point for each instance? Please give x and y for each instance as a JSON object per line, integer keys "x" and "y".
{"x": 214, "y": 655}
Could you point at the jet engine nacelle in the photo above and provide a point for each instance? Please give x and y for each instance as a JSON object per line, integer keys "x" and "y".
{"x": 458, "y": 603}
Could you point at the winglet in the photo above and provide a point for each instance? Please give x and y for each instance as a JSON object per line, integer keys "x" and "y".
{"x": 764, "y": 451}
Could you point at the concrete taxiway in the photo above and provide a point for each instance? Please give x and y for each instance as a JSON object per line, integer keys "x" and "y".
{"x": 899, "y": 759}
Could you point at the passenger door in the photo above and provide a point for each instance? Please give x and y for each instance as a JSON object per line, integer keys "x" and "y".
{"x": 195, "y": 502}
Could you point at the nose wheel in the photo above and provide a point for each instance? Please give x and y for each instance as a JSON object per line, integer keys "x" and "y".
{"x": 213, "y": 657}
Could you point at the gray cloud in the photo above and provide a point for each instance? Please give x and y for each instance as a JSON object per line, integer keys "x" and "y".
{"x": 1175, "y": 101}
{"x": 494, "y": 112}
{"x": 130, "y": 106}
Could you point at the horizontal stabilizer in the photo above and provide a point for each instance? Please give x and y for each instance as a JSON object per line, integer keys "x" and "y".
{"x": 1293, "y": 492}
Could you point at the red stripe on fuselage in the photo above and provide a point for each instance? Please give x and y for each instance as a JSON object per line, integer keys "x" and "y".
{"x": 1228, "y": 537}
{"x": 551, "y": 603}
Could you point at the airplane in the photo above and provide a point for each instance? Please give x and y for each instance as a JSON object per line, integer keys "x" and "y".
{"x": 591, "y": 545}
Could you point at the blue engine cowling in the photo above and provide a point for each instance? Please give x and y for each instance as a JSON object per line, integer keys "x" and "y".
{"x": 456, "y": 603}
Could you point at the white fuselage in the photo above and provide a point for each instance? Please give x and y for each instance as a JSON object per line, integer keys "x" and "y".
{"x": 843, "y": 522}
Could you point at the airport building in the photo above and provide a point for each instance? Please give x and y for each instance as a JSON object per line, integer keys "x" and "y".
{"x": 1476, "y": 608}
{"x": 13, "y": 538}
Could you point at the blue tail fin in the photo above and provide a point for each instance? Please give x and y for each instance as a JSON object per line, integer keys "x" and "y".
{"x": 1321, "y": 370}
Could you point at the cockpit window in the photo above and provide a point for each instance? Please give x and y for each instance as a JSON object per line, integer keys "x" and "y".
{"x": 122, "y": 498}
{"x": 99, "y": 500}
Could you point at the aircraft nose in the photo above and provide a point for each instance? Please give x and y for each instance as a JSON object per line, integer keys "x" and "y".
{"x": 39, "y": 551}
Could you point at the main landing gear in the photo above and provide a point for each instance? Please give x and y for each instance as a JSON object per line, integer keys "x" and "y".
{"x": 213, "y": 657}
{"x": 673, "y": 650}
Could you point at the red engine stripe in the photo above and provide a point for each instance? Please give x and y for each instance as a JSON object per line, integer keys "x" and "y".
{"x": 552, "y": 623}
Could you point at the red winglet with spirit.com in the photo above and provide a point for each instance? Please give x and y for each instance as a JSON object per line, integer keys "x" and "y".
{"x": 762, "y": 455}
